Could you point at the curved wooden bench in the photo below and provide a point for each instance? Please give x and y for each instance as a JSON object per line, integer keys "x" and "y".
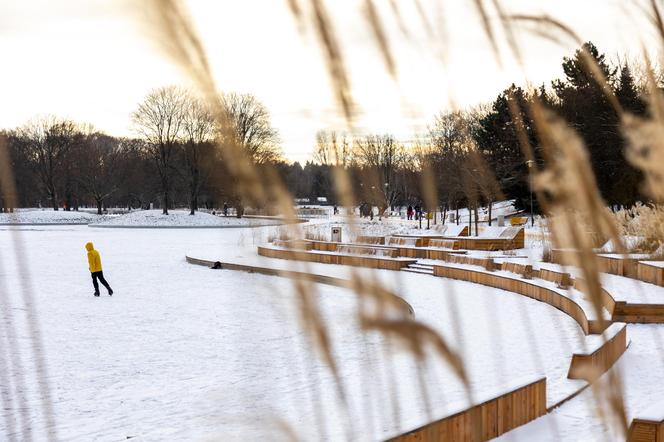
{"x": 599, "y": 358}
{"x": 527, "y": 288}
{"x": 292, "y": 274}
{"x": 374, "y": 262}
{"x": 650, "y": 271}
{"x": 373, "y": 240}
{"x": 648, "y": 426}
{"x": 621, "y": 311}
{"x": 520, "y": 403}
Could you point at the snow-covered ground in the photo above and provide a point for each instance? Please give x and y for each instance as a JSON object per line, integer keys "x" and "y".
{"x": 48, "y": 216}
{"x": 180, "y": 218}
{"x": 181, "y": 352}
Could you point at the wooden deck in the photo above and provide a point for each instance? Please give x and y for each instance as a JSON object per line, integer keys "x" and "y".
{"x": 488, "y": 419}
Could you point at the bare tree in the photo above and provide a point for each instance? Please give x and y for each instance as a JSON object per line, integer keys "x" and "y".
{"x": 46, "y": 141}
{"x": 160, "y": 120}
{"x": 198, "y": 128}
{"x": 332, "y": 149}
{"x": 450, "y": 142}
{"x": 382, "y": 157}
{"x": 250, "y": 124}
{"x": 100, "y": 157}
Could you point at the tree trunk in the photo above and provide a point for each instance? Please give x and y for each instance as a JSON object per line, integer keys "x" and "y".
{"x": 193, "y": 193}
{"x": 164, "y": 209}
{"x": 444, "y": 217}
{"x": 490, "y": 206}
{"x": 477, "y": 232}
{"x": 457, "y": 214}
{"x": 193, "y": 204}
{"x": 99, "y": 207}
{"x": 54, "y": 200}
{"x": 470, "y": 221}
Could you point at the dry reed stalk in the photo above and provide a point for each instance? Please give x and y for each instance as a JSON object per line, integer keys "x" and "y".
{"x": 569, "y": 190}
{"x": 8, "y": 188}
{"x": 566, "y": 183}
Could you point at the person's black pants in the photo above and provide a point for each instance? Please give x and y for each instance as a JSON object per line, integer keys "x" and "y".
{"x": 99, "y": 275}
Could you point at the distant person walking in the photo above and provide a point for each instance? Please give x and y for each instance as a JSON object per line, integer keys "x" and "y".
{"x": 225, "y": 209}
{"x": 94, "y": 263}
{"x": 409, "y": 212}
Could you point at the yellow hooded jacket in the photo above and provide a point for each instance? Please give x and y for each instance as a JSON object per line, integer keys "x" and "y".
{"x": 94, "y": 260}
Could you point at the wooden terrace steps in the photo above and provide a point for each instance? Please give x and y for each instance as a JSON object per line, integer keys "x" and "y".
{"x": 425, "y": 269}
{"x": 618, "y": 311}
{"x": 502, "y": 412}
{"x": 634, "y": 265}
{"x": 506, "y": 238}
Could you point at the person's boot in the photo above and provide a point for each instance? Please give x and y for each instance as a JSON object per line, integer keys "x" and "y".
{"x": 110, "y": 292}
{"x": 96, "y": 293}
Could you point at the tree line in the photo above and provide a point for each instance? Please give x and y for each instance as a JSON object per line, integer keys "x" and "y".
{"x": 177, "y": 159}
{"x": 473, "y": 157}
{"x": 467, "y": 158}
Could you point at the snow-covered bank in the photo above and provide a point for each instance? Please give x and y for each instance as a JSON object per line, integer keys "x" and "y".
{"x": 48, "y": 216}
{"x": 180, "y": 219}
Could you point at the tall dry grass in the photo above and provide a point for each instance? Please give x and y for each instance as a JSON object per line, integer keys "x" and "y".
{"x": 565, "y": 186}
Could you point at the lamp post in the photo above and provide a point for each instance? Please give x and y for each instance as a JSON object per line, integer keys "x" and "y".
{"x": 387, "y": 199}
{"x": 530, "y": 164}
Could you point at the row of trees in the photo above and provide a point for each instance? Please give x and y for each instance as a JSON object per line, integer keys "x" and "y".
{"x": 474, "y": 157}
{"x": 467, "y": 158}
{"x": 178, "y": 156}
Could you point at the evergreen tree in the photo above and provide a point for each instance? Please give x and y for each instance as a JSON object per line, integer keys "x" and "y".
{"x": 497, "y": 139}
{"x": 585, "y": 106}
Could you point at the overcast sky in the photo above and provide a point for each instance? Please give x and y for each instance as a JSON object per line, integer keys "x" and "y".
{"x": 94, "y": 60}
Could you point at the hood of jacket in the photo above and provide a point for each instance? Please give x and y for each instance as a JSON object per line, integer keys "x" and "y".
{"x": 89, "y": 247}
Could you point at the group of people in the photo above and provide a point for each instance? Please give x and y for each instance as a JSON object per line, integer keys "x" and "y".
{"x": 414, "y": 213}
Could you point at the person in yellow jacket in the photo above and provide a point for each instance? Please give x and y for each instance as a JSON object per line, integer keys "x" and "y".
{"x": 94, "y": 263}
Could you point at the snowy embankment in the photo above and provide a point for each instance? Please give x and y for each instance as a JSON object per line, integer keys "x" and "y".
{"x": 180, "y": 219}
{"x": 48, "y": 216}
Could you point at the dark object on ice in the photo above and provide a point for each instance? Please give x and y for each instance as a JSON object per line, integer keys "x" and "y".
{"x": 216, "y": 265}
